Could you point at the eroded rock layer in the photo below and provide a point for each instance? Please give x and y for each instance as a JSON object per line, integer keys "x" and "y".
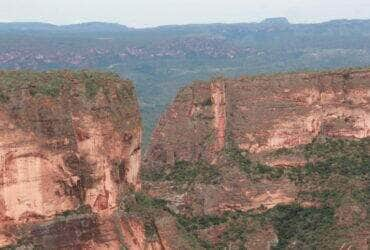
{"x": 252, "y": 163}
{"x": 68, "y": 142}
{"x": 260, "y": 162}
{"x": 263, "y": 114}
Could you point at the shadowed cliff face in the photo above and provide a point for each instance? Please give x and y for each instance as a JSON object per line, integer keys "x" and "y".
{"x": 239, "y": 162}
{"x": 68, "y": 143}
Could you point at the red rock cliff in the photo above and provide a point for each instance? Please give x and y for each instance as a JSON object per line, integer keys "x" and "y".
{"x": 68, "y": 143}
{"x": 284, "y": 149}
{"x": 262, "y": 114}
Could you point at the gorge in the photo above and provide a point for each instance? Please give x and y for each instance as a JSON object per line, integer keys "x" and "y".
{"x": 257, "y": 162}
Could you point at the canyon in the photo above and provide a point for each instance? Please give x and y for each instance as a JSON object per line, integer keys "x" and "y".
{"x": 257, "y": 162}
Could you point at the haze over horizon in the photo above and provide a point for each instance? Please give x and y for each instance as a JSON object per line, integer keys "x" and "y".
{"x": 144, "y": 13}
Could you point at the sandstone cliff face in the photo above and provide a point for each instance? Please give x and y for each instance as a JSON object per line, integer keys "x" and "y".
{"x": 247, "y": 163}
{"x": 236, "y": 160}
{"x": 69, "y": 141}
{"x": 262, "y": 114}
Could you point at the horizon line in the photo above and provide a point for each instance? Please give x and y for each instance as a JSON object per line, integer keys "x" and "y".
{"x": 175, "y": 24}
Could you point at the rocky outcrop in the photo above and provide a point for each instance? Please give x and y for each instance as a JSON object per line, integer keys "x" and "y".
{"x": 219, "y": 110}
{"x": 263, "y": 114}
{"x": 251, "y": 163}
{"x": 69, "y": 141}
{"x": 135, "y": 238}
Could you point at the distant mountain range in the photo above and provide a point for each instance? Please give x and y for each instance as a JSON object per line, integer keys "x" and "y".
{"x": 162, "y": 59}
{"x": 116, "y": 27}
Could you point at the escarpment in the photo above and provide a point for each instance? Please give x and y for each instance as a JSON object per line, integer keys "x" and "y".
{"x": 251, "y": 163}
{"x": 69, "y": 144}
{"x": 265, "y": 161}
{"x": 262, "y": 114}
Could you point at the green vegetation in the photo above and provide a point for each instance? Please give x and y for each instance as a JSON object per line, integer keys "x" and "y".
{"x": 254, "y": 170}
{"x": 306, "y": 227}
{"x": 50, "y": 83}
{"x": 185, "y": 173}
{"x": 239, "y": 225}
{"x": 91, "y": 86}
{"x": 344, "y": 157}
{"x": 20, "y": 91}
{"x": 146, "y": 208}
{"x": 197, "y": 223}
{"x": 284, "y": 151}
{"x": 126, "y": 92}
{"x": 334, "y": 165}
{"x": 329, "y": 157}
{"x": 336, "y": 176}
{"x": 36, "y": 83}
{"x": 143, "y": 202}
{"x": 303, "y": 227}
{"x": 83, "y": 209}
{"x": 3, "y": 98}
{"x": 49, "y": 88}
{"x": 362, "y": 196}
{"x": 199, "y": 172}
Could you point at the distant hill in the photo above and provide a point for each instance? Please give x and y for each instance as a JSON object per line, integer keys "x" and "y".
{"x": 95, "y": 27}
{"x": 276, "y": 21}
{"x": 161, "y": 60}
{"x": 27, "y": 26}
{"x": 82, "y": 27}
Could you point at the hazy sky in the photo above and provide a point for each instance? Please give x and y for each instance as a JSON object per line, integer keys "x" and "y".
{"x": 139, "y": 13}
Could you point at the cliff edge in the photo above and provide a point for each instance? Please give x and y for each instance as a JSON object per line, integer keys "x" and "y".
{"x": 69, "y": 144}
{"x": 267, "y": 161}
{"x": 279, "y": 161}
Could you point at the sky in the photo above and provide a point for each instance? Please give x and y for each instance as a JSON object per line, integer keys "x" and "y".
{"x": 148, "y": 13}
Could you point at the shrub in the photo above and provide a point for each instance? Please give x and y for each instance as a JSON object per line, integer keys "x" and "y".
{"x": 303, "y": 227}
{"x": 185, "y": 173}
{"x": 91, "y": 87}
{"x": 182, "y": 172}
{"x": 157, "y": 174}
{"x": 197, "y": 223}
{"x": 254, "y": 170}
{"x": 146, "y": 207}
{"x": 3, "y": 98}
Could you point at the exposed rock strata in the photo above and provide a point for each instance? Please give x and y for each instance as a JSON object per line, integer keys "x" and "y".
{"x": 65, "y": 151}
{"x": 224, "y": 159}
{"x": 263, "y": 137}
{"x": 263, "y": 114}
{"x": 219, "y": 109}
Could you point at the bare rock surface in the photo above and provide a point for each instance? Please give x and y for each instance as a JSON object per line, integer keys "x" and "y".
{"x": 68, "y": 140}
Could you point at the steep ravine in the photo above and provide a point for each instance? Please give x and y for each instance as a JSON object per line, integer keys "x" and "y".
{"x": 261, "y": 162}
